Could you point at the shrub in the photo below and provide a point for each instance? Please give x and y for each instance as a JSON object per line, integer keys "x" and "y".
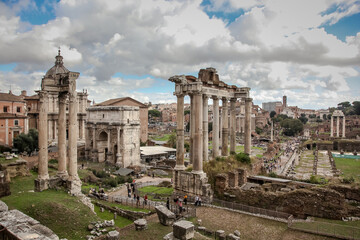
{"x": 243, "y": 157}
{"x": 273, "y": 175}
{"x": 348, "y": 180}
{"x": 220, "y": 159}
{"x": 112, "y": 182}
{"x": 129, "y": 179}
{"x": 120, "y": 179}
{"x": 232, "y": 153}
{"x": 100, "y": 174}
{"x": 318, "y": 180}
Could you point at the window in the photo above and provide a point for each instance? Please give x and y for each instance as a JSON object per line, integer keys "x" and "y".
{"x": 18, "y": 109}
{"x": 16, "y": 122}
{"x": 5, "y": 109}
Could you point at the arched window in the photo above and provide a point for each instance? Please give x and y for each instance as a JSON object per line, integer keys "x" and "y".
{"x": 103, "y": 136}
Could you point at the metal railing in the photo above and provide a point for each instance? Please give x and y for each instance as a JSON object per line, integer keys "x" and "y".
{"x": 327, "y": 229}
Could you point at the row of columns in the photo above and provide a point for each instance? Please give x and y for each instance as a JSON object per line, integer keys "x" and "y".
{"x": 199, "y": 129}
{"x": 71, "y": 174}
{"x": 337, "y": 126}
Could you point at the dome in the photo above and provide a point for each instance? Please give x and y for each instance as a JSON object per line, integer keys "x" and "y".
{"x": 57, "y": 68}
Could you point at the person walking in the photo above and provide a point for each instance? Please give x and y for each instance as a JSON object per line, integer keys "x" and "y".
{"x": 199, "y": 202}
{"x": 196, "y": 200}
{"x": 180, "y": 206}
{"x": 185, "y": 199}
{"x": 145, "y": 199}
{"x": 168, "y": 203}
{"x": 137, "y": 200}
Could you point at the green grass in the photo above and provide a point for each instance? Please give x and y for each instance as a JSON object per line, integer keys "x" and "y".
{"x": 62, "y": 213}
{"x": 4, "y": 161}
{"x": 155, "y": 231}
{"x": 106, "y": 215}
{"x": 125, "y": 207}
{"x": 349, "y": 167}
{"x": 156, "y": 190}
{"x": 164, "y": 137}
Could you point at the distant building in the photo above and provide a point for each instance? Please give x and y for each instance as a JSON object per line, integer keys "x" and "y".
{"x": 128, "y": 101}
{"x": 13, "y": 119}
{"x": 271, "y": 106}
{"x": 113, "y": 135}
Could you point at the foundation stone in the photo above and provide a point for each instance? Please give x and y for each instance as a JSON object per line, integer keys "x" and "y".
{"x": 183, "y": 230}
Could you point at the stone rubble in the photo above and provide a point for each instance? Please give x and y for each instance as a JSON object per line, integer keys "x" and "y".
{"x": 140, "y": 224}
{"x": 166, "y": 217}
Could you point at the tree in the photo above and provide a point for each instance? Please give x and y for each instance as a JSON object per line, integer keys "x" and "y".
{"x": 258, "y": 130}
{"x": 312, "y": 116}
{"x": 27, "y": 142}
{"x": 186, "y": 112}
{"x": 356, "y": 106}
{"x": 303, "y": 118}
{"x": 210, "y": 126}
{"x": 272, "y": 114}
{"x": 291, "y": 126}
{"x": 344, "y": 105}
{"x": 172, "y": 140}
{"x": 154, "y": 113}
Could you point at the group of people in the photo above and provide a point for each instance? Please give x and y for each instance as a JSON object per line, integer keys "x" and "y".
{"x": 99, "y": 194}
{"x": 131, "y": 188}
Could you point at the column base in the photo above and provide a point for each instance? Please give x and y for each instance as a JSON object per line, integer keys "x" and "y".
{"x": 41, "y": 184}
{"x": 74, "y": 185}
{"x": 179, "y": 167}
{"x": 62, "y": 174}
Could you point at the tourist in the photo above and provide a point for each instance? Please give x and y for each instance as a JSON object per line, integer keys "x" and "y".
{"x": 145, "y": 199}
{"x": 185, "y": 199}
{"x": 168, "y": 203}
{"x": 180, "y": 206}
{"x": 199, "y": 202}
{"x": 129, "y": 192}
{"x": 138, "y": 200}
{"x": 134, "y": 196}
{"x": 196, "y": 200}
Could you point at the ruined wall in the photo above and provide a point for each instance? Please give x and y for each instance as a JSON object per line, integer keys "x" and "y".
{"x": 18, "y": 168}
{"x": 4, "y": 184}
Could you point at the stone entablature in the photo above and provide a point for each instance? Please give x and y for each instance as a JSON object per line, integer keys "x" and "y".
{"x": 113, "y": 135}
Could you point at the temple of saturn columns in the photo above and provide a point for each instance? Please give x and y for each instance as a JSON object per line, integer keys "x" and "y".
{"x": 337, "y": 114}
{"x": 60, "y": 81}
{"x": 200, "y": 89}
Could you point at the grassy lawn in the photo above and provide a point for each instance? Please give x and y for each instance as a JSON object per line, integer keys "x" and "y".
{"x": 4, "y": 161}
{"x": 349, "y": 167}
{"x": 106, "y": 215}
{"x": 337, "y": 227}
{"x": 164, "y": 137}
{"x": 155, "y": 231}
{"x": 57, "y": 210}
{"x": 125, "y": 207}
{"x": 156, "y": 190}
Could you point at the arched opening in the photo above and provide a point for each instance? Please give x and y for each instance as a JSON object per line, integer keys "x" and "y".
{"x": 101, "y": 145}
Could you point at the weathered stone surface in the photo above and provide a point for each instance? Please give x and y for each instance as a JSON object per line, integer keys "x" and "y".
{"x": 220, "y": 234}
{"x": 169, "y": 236}
{"x": 166, "y": 217}
{"x": 113, "y": 235}
{"x": 3, "y": 206}
{"x": 183, "y": 230}
{"x": 25, "y": 227}
{"x": 232, "y": 237}
{"x": 237, "y": 233}
{"x": 4, "y": 184}
{"x": 140, "y": 224}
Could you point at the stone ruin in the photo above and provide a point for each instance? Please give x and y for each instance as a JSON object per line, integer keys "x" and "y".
{"x": 59, "y": 81}
{"x": 297, "y": 198}
{"x": 195, "y": 183}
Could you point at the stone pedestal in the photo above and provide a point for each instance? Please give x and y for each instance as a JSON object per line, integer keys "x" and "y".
{"x": 41, "y": 184}
{"x": 140, "y": 224}
{"x": 183, "y": 230}
{"x": 166, "y": 217}
{"x": 74, "y": 186}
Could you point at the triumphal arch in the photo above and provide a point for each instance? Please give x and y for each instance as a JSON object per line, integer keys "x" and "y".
{"x": 206, "y": 85}
{"x": 61, "y": 82}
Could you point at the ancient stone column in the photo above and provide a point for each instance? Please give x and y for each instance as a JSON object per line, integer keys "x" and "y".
{"x": 205, "y": 128}
{"x": 118, "y": 153}
{"x": 232, "y": 124}
{"x": 180, "y": 133}
{"x": 343, "y": 127}
{"x": 332, "y": 126}
{"x": 225, "y": 129}
{"x": 247, "y": 145}
{"x": 215, "y": 128}
{"x": 94, "y": 137}
{"x": 337, "y": 126}
{"x": 43, "y": 177}
{"x": 62, "y": 172}
{"x": 74, "y": 180}
{"x": 198, "y": 133}
{"x": 192, "y": 124}
{"x": 272, "y": 131}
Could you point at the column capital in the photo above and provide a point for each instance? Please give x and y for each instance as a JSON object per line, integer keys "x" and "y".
{"x": 63, "y": 97}
{"x": 215, "y": 97}
{"x": 206, "y": 96}
{"x": 179, "y": 94}
{"x": 43, "y": 95}
{"x": 225, "y": 99}
{"x": 248, "y": 99}
{"x": 233, "y": 99}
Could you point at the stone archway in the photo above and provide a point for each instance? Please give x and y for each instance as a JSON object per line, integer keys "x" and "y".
{"x": 101, "y": 146}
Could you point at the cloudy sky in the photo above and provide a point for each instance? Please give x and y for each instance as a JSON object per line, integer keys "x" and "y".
{"x": 308, "y": 50}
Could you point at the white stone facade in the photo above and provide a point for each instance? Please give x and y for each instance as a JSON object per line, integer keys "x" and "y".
{"x": 112, "y": 135}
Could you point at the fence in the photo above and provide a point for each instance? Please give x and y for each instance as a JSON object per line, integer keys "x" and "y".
{"x": 187, "y": 210}
{"x": 6, "y": 235}
{"x": 327, "y": 229}
{"x": 250, "y": 209}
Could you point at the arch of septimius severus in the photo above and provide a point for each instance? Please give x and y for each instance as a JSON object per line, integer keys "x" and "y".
{"x": 60, "y": 82}
{"x": 200, "y": 89}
